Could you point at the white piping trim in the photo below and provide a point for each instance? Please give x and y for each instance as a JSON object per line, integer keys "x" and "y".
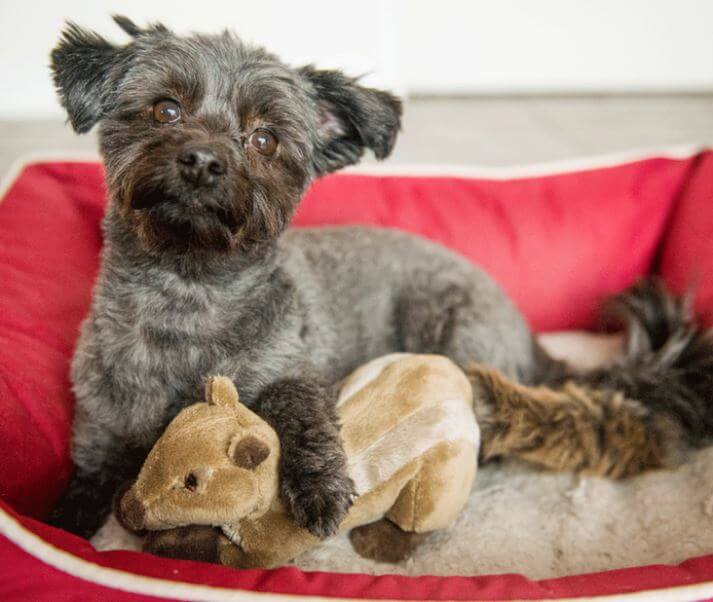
{"x": 511, "y": 172}
{"x": 127, "y": 581}
{"x": 152, "y": 586}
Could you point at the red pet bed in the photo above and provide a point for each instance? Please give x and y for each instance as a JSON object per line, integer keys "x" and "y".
{"x": 558, "y": 239}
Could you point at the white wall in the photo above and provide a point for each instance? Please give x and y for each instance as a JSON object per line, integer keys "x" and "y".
{"x": 439, "y": 46}
{"x": 558, "y": 46}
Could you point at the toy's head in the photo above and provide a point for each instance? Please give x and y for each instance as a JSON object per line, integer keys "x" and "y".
{"x": 215, "y": 464}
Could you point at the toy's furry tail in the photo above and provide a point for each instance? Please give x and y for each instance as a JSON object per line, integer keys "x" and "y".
{"x": 668, "y": 366}
{"x": 639, "y": 413}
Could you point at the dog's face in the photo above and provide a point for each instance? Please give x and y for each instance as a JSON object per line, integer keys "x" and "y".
{"x": 209, "y": 143}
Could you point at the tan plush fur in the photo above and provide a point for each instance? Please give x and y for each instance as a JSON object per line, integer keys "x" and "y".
{"x": 409, "y": 433}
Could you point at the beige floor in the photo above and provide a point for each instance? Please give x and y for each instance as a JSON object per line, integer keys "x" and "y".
{"x": 484, "y": 131}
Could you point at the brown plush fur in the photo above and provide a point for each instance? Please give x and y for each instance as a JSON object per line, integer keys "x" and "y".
{"x": 644, "y": 411}
{"x": 569, "y": 427}
{"x": 195, "y": 542}
{"x": 384, "y": 541}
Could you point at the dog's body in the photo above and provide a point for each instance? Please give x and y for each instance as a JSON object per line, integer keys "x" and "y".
{"x": 313, "y": 306}
{"x": 320, "y": 303}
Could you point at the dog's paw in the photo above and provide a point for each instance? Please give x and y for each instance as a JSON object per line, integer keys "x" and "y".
{"x": 81, "y": 511}
{"x": 319, "y": 504}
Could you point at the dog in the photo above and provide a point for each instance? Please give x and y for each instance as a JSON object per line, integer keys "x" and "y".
{"x": 209, "y": 144}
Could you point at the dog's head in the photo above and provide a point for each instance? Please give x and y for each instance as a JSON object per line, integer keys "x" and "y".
{"x": 209, "y": 143}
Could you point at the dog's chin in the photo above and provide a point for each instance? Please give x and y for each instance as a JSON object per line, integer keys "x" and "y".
{"x": 180, "y": 225}
{"x": 198, "y": 235}
{"x": 145, "y": 198}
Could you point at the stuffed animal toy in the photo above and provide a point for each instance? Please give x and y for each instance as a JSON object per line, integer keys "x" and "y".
{"x": 410, "y": 436}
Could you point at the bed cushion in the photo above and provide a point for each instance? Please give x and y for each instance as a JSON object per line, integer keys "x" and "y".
{"x": 558, "y": 241}
{"x": 688, "y": 243}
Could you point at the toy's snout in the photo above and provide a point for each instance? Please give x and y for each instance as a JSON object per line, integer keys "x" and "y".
{"x": 130, "y": 511}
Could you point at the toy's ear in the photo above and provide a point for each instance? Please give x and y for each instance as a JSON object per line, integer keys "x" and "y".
{"x": 248, "y": 451}
{"x": 352, "y": 118}
{"x": 221, "y": 391}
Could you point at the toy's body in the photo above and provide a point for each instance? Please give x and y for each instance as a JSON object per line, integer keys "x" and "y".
{"x": 408, "y": 430}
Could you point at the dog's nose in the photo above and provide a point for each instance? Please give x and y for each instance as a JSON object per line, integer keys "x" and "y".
{"x": 200, "y": 166}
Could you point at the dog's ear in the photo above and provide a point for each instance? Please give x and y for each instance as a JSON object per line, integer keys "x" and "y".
{"x": 352, "y": 118}
{"x": 81, "y": 65}
{"x": 135, "y": 31}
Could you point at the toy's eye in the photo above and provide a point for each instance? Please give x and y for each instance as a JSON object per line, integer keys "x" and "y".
{"x": 263, "y": 142}
{"x": 167, "y": 111}
{"x": 190, "y": 482}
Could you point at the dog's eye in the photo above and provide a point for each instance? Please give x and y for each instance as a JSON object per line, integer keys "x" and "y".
{"x": 167, "y": 111}
{"x": 263, "y": 142}
{"x": 190, "y": 482}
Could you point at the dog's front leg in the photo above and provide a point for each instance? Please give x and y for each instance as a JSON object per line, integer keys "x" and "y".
{"x": 85, "y": 504}
{"x": 314, "y": 483}
{"x": 87, "y": 501}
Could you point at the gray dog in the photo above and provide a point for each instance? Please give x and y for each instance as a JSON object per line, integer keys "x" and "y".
{"x": 209, "y": 145}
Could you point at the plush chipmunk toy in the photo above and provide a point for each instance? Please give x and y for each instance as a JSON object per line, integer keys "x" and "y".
{"x": 411, "y": 440}
{"x": 412, "y": 444}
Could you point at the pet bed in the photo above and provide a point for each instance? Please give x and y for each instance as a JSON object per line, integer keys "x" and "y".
{"x": 558, "y": 237}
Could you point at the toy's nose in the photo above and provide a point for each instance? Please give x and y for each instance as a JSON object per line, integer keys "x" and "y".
{"x": 131, "y": 512}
